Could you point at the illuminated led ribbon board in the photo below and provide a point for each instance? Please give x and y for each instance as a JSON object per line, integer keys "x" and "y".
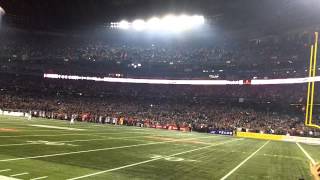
{"x": 310, "y": 92}
{"x": 187, "y": 82}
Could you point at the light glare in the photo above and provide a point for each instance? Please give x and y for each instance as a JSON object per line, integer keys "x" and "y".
{"x": 139, "y": 24}
{"x": 154, "y": 23}
{"x": 2, "y": 12}
{"x": 170, "y": 23}
{"x": 124, "y": 24}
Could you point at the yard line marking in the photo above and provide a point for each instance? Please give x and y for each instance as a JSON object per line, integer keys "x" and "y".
{"x": 56, "y": 127}
{"x": 244, "y": 161}
{"x": 79, "y": 140}
{"x": 91, "y": 150}
{"x": 151, "y": 160}
{"x": 306, "y": 154}
{"x": 7, "y": 178}
{"x": 39, "y": 143}
{"x": 20, "y": 174}
{"x": 20, "y": 144}
{"x": 70, "y": 134}
{"x": 96, "y": 139}
{"x": 4, "y": 170}
{"x": 43, "y": 177}
{"x": 283, "y": 156}
{"x": 131, "y": 139}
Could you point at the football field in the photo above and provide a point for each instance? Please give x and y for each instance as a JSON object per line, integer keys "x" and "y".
{"x": 52, "y": 149}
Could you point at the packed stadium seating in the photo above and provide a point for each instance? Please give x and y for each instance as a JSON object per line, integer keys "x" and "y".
{"x": 271, "y": 57}
{"x": 270, "y": 109}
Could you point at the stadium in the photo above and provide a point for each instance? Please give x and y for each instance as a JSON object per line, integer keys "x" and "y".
{"x": 157, "y": 90}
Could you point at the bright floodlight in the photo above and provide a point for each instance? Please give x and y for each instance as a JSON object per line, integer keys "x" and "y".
{"x": 124, "y": 24}
{"x": 169, "y": 23}
{"x": 154, "y": 23}
{"x": 197, "y": 20}
{"x": 182, "y": 24}
{"x": 139, "y": 25}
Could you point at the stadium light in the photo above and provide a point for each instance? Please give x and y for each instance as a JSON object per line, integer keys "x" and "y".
{"x": 139, "y": 25}
{"x": 169, "y": 23}
{"x": 124, "y": 24}
{"x": 154, "y": 23}
{"x": 182, "y": 24}
{"x": 197, "y": 20}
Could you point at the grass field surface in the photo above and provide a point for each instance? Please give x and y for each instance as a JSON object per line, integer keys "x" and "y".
{"x": 52, "y": 149}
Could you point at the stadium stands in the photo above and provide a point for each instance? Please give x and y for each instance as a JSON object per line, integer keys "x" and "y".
{"x": 265, "y": 109}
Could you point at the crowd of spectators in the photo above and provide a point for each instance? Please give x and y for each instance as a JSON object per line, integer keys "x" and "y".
{"x": 275, "y": 109}
{"x": 257, "y": 109}
{"x": 201, "y": 117}
{"x": 286, "y": 56}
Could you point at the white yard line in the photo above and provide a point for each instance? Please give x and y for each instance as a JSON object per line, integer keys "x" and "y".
{"x": 92, "y": 150}
{"x": 283, "y": 156}
{"x": 244, "y": 161}
{"x": 78, "y": 140}
{"x": 20, "y": 174}
{"x": 56, "y": 127}
{"x": 20, "y": 144}
{"x": 37, "y": 178}
{"x": 151, "y": 160}
{"x": 70, "y": 134}
{"x": 4, "y": 170}
{"x": 306, "y": 154}
{"x": 129, "y": 138}
{"x": 7, "y": 178}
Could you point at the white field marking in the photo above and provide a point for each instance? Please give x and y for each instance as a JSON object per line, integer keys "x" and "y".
{"x": 174, "y": 159}
{"x": 282, "y": 156}
{"x": 78, "y": 140}
{"x": 91, "y": 150}
{"x": 70, "y": 134}
{"x": 269, "y": 155}
{"x": 56, "y": 127}
{"x": 306, "y": 154}
{"x": 150, "y": 160}
{"x": 7, "y": 178}
{"x": 20, "y": 144}
{"x": 153, "y": 135}
{"x": 4, "y": 170}
{"x": 39, "y": 130}
{"x": 20, "y": 174}
{"x": 41, "y": 142}
{"x": 244, "y": 161}
{"x": 131, "y": 139}
{"x": 52, "y": 143}
{"x": 37, "y": 178}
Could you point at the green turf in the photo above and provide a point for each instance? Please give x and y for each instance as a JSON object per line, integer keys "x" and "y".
{"x": 120, "y": 152}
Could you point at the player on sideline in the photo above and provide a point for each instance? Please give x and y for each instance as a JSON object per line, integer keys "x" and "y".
{"x": 73, "y": 117}
{"x": 29, "y": 116}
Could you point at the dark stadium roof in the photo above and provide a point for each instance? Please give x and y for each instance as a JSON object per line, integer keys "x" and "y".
{"x": 255, "y": 15}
